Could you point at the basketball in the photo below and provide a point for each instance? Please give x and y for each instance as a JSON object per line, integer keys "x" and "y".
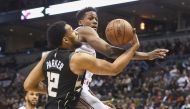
{"x": 119, "y": 32}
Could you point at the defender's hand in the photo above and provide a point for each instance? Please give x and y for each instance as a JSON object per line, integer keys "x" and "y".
{"x": 135, "y": 40}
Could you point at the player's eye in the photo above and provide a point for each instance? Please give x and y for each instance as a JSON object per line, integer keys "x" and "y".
{"x": 90, "y": 18}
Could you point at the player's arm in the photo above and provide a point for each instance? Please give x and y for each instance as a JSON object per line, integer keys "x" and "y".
{"x": 34, "y": 80}
{"x": 82, "y": 61}
{"x": 157, "y": 53}
{"x": 90, "y": 35}
{"x": 92, "y": 38}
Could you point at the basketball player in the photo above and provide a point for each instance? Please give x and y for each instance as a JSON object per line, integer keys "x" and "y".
{"x": 61, "y": 67}
{"x": 31, "y": 99}
{"x": 88, "y": 24}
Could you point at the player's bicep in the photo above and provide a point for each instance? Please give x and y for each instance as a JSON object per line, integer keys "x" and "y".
{"x": 93, "y": 39}
{"x": 99, "y": 45}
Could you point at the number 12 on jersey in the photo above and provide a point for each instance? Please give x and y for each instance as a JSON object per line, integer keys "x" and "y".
{"x": 53, "y": 81}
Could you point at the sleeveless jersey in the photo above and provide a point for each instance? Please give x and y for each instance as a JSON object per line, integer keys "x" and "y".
{"x": 87, "y": 49}
{"x": 60, "y": 78}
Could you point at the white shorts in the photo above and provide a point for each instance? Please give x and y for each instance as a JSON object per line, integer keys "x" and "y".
{"x": 90, "y": 101}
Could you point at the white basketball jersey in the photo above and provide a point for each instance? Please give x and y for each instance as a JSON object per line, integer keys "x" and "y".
{"x": 87, "y": 49}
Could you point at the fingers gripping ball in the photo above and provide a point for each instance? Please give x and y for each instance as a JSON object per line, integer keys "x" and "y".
{"x": 119, "y": 32}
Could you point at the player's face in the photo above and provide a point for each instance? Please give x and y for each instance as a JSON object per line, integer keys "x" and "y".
{"x": 32, "y": 97}
{"x": 73, "y": 37}
{"x": 90, "y": 19}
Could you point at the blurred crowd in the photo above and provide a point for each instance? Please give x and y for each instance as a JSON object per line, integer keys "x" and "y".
{"x": 166, "y": 87}
{"x": 158, "y": 84}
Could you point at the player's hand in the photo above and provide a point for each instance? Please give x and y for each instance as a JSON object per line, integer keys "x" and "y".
{"x": 135, "y": 40}
{"x": 157, "y": 53}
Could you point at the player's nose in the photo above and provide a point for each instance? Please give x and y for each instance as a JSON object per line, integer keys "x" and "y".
{"x": 95, "y": 22}
{"x": 35, "y": 97}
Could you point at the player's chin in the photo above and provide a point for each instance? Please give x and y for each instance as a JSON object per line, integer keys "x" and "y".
{"x": 95, "y": 29}
{"x": 34, "y": 102}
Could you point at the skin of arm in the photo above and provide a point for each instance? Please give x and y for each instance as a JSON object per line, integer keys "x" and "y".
{"x": 89, "y": 35}
{"x": 157, "y": 53}
{"x": 81, "y": 61}
{"x": 34, "y": 80}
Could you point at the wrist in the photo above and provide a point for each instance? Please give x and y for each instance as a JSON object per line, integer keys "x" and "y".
{"x": 148, "y": 56}
{"x": 136, "y": 46}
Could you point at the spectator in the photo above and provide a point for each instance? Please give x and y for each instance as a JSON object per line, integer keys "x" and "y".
{"x": 31, "y": 100}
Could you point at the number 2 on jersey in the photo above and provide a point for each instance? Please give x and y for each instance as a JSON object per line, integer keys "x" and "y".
{"x": 53, "y": 81}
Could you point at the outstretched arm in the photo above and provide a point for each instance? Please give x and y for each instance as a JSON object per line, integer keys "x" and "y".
{"x": 157, "y": 53}
{"x": 92, "y": 38}
{"x": 99, "y": 66}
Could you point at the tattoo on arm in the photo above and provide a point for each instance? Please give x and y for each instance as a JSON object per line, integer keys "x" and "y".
{"x": 115, "y": 51}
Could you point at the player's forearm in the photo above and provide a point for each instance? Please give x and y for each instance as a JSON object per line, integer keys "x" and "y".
{"x": 41, "y": 87}
{"x": 114, "y": 52}
{"x": 141, "y": 56}
{"x": 123, "y": 60}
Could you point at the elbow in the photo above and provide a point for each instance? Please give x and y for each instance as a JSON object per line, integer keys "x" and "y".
{"x": 27, "y": 86}
{"x": 115, "y": 72}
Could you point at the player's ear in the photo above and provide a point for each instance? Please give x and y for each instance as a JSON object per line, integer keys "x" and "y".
{"x": 80, "y": 22}
{"x": 65, "y": 39}
{"x": 25, "y": 98}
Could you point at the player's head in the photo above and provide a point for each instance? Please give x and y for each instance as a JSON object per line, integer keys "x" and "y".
{"x": 88, "y": 17}
{"x": 31, "y": 98}
{"x": 61, "y": 34}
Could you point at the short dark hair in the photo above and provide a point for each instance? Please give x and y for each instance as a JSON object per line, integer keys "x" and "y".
{"x": 80, "y": 14}
{"x": 55, "y": 34}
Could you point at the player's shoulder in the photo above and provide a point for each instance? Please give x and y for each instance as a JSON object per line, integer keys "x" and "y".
{"x": 81, "y": 56}
{"x": 45, "y": 53}
{"x": 86, "y": 33}
{"x": 84, "y": 28}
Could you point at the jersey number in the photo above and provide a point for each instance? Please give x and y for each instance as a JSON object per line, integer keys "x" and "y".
{"x": 53, "y": 81}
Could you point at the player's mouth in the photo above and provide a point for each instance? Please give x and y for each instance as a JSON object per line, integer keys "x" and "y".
{"x": 34, "y": 101}
{"x": 94, "y": 27}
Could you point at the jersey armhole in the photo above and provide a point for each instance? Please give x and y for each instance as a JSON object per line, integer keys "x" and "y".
{"x": 71, "y": 55}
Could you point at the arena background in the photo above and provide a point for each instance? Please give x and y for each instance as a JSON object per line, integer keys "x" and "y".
{"x": 158, "y": 84}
